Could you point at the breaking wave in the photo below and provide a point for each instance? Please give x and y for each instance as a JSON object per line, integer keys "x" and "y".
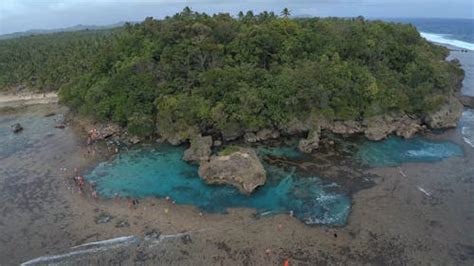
{"x": 446, "y": 39}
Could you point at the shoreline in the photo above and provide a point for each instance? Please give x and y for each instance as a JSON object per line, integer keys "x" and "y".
{"x": 16, "y": 100}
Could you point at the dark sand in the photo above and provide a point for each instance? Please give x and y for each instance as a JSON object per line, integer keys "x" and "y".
{"x": 391, "y": 222}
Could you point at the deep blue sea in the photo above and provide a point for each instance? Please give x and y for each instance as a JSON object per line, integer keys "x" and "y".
{"x": 454, "y": 32}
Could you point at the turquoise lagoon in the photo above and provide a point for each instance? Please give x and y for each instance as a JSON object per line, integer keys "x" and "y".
{"x": 159, "y": 171}
{"x": 394, "y": 151}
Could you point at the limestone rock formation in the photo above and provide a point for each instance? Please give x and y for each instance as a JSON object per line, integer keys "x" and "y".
{"x": 345, "y": 127}
{"x": 467, "y": 101}
{"x": 232, "y": 131}
{"x": 311, "y": 142}
{"x": 17, "y": 128}
{"x": 408, "y": 127}
{"x": 445, "y": 117}
{"x": 250, "y": 137}
{"x": 295, "y": 126}
{"x": 379, "y": 127}
{"x": 241, "y": 168}
{"x": 261, "y": 135}
{"x": 200, "y": 149}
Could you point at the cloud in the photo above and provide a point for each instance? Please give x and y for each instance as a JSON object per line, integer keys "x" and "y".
{"x": 19, "y": 15}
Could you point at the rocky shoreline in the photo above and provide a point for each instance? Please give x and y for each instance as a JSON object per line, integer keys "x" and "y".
{"x": 311, "y": 131}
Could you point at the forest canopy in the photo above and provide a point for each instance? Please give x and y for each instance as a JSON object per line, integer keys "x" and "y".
{"x": 215, "y": 72}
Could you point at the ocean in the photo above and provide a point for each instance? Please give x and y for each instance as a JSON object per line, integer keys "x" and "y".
{"x": 454, "y": 32}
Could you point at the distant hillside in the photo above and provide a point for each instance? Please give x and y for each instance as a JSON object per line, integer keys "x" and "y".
{"x": 68, "y": 29}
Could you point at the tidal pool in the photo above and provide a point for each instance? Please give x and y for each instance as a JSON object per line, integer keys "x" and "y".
{"x": 394, "y": 151}
{"x": 161, "y": 172}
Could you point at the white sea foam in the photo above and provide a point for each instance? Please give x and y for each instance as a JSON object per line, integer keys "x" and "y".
{"x": 467, "y": 127}
{"x": 445, "y": 39}
{"x": 93, "y": 247}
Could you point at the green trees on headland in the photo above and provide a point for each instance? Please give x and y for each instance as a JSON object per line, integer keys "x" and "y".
{"x": 215, "y": 72}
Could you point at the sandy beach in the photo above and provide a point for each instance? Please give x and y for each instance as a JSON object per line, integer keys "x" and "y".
{"x": 13, "y": 100}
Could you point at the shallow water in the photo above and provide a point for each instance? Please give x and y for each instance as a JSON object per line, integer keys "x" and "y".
{"x": 161, "y": 172}
{"x": 394, "y": 151}
{"x": 37, "y": 127}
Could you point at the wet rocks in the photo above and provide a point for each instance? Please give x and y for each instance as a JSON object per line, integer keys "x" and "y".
{"x": 134, "y": 140}
{"x": 266, "y": 134}
{"x": 217, "y": 143}
{"x": 186, "y": 239}
{"x": 17, "y": 128}
{"x": 102, "y": 133}
{"x": 311, "y": 142}
{"x": 232, "y": 131}
{"x": 103, "y": 218}
{"x": 60, "y": 126}
{"x": 345, "y": 127}
{"x": 121, "y": 224}
{"x": 378, "y": 127}
{"x": 261, "y": 135}
{"x": 467, "y": 101}
{"x": 445, "y": 117}
{"x": 295, "y": 126}
{"x": 109, "y": 131}
{"x": 153, "y": 234}
{"x": 200, "y": 149}
{"x": 250, "y": 137}
{"x": 241, "y": 168}
{"x": 407, "y": 127}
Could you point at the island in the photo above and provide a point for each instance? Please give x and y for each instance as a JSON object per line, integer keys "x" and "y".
{"x": 209, "y": 80}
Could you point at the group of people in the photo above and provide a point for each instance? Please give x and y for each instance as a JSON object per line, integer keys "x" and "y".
{"x": 79, "y": 180}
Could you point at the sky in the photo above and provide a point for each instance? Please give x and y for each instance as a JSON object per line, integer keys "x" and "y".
{"x": 21, "y": 15}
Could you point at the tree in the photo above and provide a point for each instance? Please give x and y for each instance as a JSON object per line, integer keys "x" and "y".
{"x": 216, "y": 73}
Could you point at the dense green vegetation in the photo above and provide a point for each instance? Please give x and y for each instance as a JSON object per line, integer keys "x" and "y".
{"x": 254, "y": 71}
{"x": 47, "y": 62}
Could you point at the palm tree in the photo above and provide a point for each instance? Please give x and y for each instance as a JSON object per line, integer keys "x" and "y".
{"x": 241, "y": 15}
{"x": 285, "y": 12}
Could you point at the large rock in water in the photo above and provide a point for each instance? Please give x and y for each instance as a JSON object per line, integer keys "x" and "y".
{"x": 378, "y": 127}
{"x": 445, "y": 117}
{"x": 16, "y": 128}
{"x": 467, "y": 101}
{"x": 200, "y": 149}
{"x": 241, "y": 169}
{"x": 311, "y": 142}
